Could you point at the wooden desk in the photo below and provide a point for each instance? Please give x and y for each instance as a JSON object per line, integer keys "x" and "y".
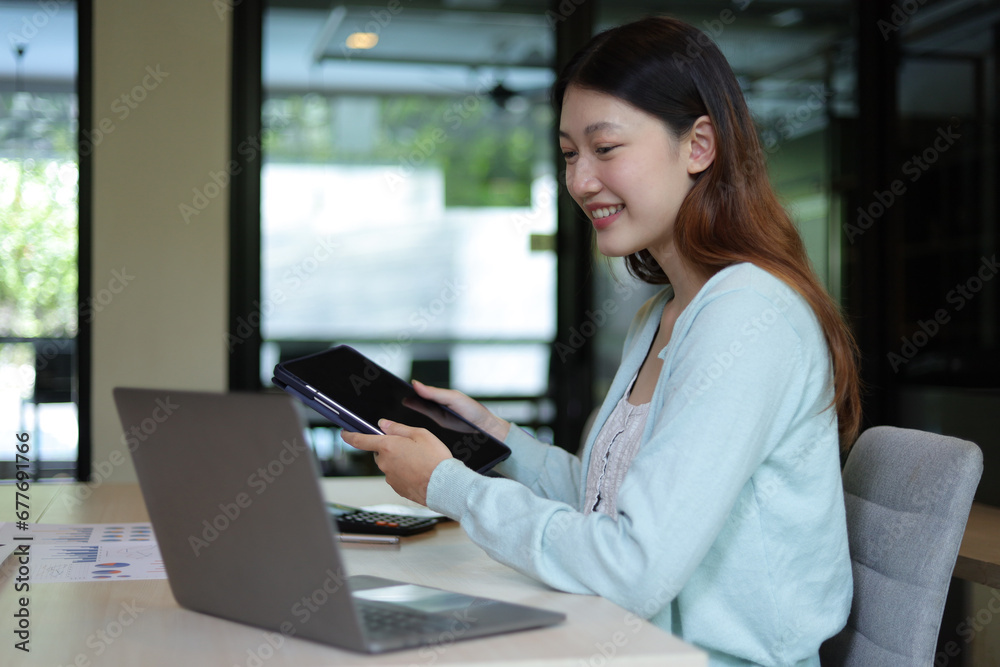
{"x": 979, "y": 555}
{"x": 139, "y": 623}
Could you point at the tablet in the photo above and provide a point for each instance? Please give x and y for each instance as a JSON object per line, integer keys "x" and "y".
{"x": 354, "y": 392}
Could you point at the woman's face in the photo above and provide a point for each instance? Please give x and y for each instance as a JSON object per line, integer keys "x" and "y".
{"x": 625, "y": 170}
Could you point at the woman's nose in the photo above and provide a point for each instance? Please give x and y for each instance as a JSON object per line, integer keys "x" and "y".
{"x": 582, "y": 181}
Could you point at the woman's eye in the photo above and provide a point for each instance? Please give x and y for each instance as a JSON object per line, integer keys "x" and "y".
{"x": 603, "y": 150}
{"x": 567, "y": 154}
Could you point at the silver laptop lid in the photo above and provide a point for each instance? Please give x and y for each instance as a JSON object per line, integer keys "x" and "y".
{"x": 233, "y": 495}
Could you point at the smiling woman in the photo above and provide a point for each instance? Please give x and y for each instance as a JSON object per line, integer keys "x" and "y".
{"x": 730, "y": 213}
{"x": 708, "y": 495}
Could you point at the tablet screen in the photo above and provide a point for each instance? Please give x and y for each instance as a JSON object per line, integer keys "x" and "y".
{"x": 356, "y": 383}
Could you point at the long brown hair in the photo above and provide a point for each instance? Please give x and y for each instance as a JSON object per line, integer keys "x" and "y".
{"x": 673, "y": 71}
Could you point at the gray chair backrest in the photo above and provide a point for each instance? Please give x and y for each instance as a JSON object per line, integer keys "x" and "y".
{"x": 908, "y": 496}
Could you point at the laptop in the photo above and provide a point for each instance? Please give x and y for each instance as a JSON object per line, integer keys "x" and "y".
{"x": 234, "y": 497}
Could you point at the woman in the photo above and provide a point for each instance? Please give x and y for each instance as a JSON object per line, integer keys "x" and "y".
{"x": 710, "y": 500}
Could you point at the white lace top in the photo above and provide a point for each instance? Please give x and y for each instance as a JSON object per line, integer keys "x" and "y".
{"x": 614, "y": 449}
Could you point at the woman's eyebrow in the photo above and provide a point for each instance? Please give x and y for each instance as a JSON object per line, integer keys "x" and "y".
{"x": 594, "y": 127}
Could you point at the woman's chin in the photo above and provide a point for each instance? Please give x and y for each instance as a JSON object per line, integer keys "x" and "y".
{"x": 610, "y": 249}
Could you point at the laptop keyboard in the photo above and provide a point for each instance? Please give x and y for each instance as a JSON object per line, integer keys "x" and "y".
{"x": 385, "y": 620}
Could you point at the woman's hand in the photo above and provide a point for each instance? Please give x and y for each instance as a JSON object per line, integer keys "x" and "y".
{"x": 406, "y": 455}
{"x": 471, "y": 410}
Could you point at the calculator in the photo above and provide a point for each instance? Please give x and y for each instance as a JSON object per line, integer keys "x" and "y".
{"x": 356, "y": 520}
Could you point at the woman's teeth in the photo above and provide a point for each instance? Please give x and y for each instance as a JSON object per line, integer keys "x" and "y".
{"x": 605, "y": 212}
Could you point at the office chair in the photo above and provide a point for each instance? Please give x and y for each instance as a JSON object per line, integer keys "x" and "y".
{"x": 908, "y": 496}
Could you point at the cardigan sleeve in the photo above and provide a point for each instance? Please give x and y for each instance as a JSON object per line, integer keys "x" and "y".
{"x": 730, "y": 391}
{"x": 549, "y": 471}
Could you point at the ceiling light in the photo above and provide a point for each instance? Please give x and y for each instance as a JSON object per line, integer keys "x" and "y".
{"x": 362, "y": 40}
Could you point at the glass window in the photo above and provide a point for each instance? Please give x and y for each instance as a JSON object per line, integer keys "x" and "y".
{"x": 408, "y": 193}
{"x": 942, "y": 197}
{"x": 39, "y": 232}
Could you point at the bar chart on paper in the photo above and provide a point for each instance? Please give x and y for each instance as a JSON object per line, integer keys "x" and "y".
{"x": 86, "y": 552}
{"x": 86, "y": 533}
{"x": 127, "y": 560}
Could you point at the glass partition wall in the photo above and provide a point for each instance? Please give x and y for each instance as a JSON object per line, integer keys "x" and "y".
{"x": 408, "y": 197}
{"x": 39, "y": 235}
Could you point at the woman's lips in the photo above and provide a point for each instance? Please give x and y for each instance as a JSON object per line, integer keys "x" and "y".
{"x": 604, "y": 222}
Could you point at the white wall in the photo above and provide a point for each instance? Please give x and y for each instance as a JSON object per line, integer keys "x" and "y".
{"x": 160, "y": 284}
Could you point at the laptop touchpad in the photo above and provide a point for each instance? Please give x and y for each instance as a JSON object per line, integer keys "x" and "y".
{"x": 419, "y": 598}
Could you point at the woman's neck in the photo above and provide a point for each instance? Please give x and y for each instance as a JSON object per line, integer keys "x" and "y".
{"x": 685, "y": 278}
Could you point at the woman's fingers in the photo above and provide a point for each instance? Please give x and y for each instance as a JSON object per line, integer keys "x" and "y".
{"x": 466, "y": 407}
{"x": 449, "y": 397}
{"x": 406, "y": 454}
{"x": 365, "y": 441}
{"x": 402, "y": 430}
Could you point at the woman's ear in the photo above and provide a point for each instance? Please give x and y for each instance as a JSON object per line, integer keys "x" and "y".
{"x": 702, "y": 142}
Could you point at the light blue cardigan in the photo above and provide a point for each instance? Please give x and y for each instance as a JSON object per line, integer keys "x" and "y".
{"x": 731, "y": 531}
